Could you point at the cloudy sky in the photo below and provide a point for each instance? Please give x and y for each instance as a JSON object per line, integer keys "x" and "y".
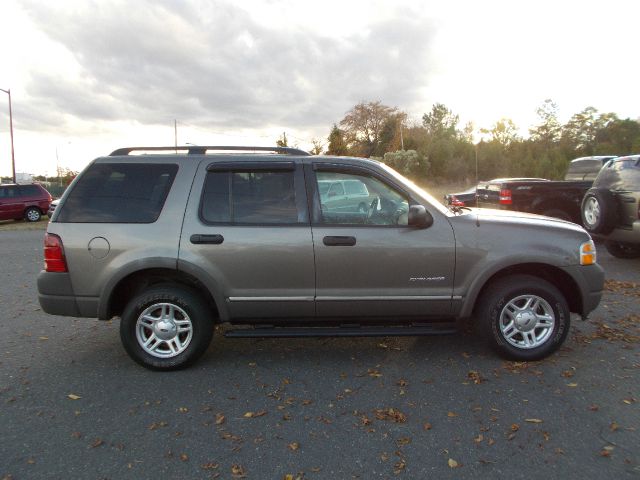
{"x": 87, "y": 77}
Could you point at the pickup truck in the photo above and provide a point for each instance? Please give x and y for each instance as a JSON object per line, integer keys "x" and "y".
{"x": 560, "y": 199}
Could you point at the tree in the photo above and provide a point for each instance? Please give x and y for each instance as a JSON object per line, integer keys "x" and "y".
{"x": 282, "y": 141}
{"x": 581, "y": 130}
{"x": 440, "y": 122}
{"x": 504, "y": 132}
{"x": 406, "y": 162}
{"x": 317, "y": 146}
{"x": 337, "y": 143}
{"x": 549, "y": 130}
{"x": 363, "y": 126}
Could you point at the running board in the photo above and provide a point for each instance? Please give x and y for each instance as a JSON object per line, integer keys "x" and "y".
{"x": 297, "y": 332}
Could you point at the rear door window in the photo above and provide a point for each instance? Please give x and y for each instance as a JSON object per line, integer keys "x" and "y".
{"x": 119, "y": 193}
{"x": 249, "y": 198}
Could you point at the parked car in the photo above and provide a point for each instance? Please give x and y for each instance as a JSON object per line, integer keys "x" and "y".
{"x": 560, "y": 199}
{"x": 340, "y": 194}
{"x": 28, "y": 202}
{"x": 611, "y": 208}
{"x": 586, "y": 168}
{"x": 52, "y": 207}
{"x": 174, "y": 244}
{"x": 461, "y": 199}
{"x": 468, "y": 197}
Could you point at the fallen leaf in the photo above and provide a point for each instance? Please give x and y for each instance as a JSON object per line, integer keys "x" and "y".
{"x": 403, "y": 441}
{"x": 293, "y": 446}
{"x": 479, "y": 438}
{"x": 219, "y": 419}
{"x": 183, "y": 409}
{"x": 237, "y": 471}
{"x": 97, "y": 442}
{"x": 426, "y": 426}
{"x": 515, "y": 427}
{"x": 614, "y": 426}
{"x": 400, "y": 466}
{"x": 391, "y": 414}
{"x": 533, "y": 420}
{"x": 452, "y": 463}
{"x": 475, "y": 377}
{"x": 73, "y": 396}
{"x": 573, "y": 385}
{"x": 259, "y": 413}
{"x": 184, "y": 457}
{"x": 209, "y": 466}
{"x": 452, "y": 414}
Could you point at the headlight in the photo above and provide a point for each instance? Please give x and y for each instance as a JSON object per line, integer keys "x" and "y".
{"x": 588, "y": 253}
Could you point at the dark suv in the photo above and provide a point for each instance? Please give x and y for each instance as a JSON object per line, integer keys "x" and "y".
{"x": 611, "y": 208}
{"x": 174, "y": 243}
{"x": 27, "y": 202}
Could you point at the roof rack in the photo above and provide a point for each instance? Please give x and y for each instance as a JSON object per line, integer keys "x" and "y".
{"x": 202, "y": 150}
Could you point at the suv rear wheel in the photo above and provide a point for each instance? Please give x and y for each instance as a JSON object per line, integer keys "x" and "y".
{"x": 622, "y": 250}
{"x": 599, "y": 211}
{"x": 523, "y": 317}
{"x": 166, "y": 327}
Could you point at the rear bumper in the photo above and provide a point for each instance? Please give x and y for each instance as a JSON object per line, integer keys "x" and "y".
{"x": 56, "y": 297}
{"x": 590, "y": 280}
{"x": 625, "y": 235}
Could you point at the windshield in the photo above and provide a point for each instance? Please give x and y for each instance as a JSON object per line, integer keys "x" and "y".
{"x": 412, "y": 186}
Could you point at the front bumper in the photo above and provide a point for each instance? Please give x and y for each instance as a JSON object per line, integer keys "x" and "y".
{"x": 590, "y": 280}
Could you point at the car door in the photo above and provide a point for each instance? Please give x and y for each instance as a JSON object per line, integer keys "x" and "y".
{"x": 10, "y": 203}
{"x": 247, "y": 227}
{"x": 371, "y": 264}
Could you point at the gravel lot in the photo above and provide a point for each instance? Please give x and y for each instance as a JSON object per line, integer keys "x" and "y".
{"x": 75, "y": 406}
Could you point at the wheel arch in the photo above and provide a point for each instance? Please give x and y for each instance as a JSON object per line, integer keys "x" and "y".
{"x": 553, "y": 275}
{"x": 134, "y": 282}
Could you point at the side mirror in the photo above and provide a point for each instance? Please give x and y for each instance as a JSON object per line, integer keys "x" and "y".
{"x": 419, "y": 217}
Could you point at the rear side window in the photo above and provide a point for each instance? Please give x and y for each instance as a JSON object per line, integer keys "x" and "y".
{"x": 247, "y": 198}
{"x": 119, "y": 193}
{"x": 30, "y": 191}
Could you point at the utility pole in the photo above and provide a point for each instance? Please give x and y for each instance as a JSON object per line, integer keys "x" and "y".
{"x": 175, "y": 134}
{"x": 401, "y": 139}
{"x": 13, "y": 159}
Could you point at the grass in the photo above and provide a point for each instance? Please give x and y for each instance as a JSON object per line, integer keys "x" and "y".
{"x": 9, "y": 225}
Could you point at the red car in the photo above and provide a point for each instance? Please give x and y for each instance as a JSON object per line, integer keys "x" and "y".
{"x": 23, "y": 201}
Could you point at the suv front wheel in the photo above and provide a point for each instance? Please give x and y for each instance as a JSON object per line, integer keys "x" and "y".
{"x": 523, "y": 317}
{"x": 166, "y": 327}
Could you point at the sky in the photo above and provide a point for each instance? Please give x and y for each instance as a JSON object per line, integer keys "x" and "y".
{"x": 87, "y": 77}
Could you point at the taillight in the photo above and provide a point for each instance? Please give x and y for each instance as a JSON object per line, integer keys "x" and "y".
{"x": 505, "y": 196}
{"x": 54, "y": 260}
{"x": 455, "y": 202}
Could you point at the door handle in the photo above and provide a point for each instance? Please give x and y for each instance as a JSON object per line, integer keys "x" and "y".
{"x": 339, "y": 241}
{"x": 199, "y": 238}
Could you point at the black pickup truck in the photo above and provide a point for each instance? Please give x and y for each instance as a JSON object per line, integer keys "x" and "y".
{"x": 560, "y": 199}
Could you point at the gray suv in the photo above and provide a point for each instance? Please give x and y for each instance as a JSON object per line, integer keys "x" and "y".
{"x": 611, "y": 208}
{"x": 174, "y": 241}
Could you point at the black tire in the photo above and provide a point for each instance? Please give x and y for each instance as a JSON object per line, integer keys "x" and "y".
{"x": 496, "y": 307}
{"x": 622, "y": 250}
{"x": 32, "y": 214}
{"x": 186, "y": 304}
{"x": 557, "y": 213}
{"x": 598, "y": 211}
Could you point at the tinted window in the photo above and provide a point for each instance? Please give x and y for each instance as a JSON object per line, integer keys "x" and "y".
{"x": 372, "y": 202}
{"x": 119, "y": 193}
{"x": 30, "y": 191}
{"x": 7, "y": 192}
{"x": 249, "y": 198}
